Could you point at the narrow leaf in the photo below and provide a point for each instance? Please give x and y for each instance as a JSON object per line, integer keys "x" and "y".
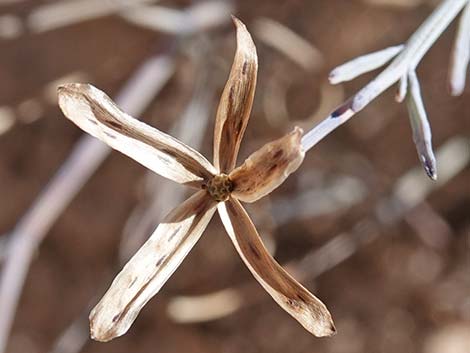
{"x": 460, "y": 55}
{"x": 402, "y": 89}
{"x": 363, "y": 64}
{"x": 95, "y": 113}
{"x": 236, "y": 101}
{"x": 420, "y": 127}
{"x": 149, "y": 269}
{"x": 283, "y": 288}
{"x": 268, "y": 167}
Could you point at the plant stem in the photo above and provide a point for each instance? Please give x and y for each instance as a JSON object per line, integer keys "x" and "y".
{"x": 416, "y": 47}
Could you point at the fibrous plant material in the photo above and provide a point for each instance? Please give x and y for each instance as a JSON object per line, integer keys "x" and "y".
{"x": 220, "y": 186}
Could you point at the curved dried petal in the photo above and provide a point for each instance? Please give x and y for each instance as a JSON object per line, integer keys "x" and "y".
{"x": 236, "y": 101}
{"x": 285, "y": 290}
{"x": 268, "y": 167}
{"x": 94, "y": 112}
{"x": 149, "y": 269}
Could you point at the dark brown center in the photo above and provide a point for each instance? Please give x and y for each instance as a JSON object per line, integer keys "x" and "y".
{"x": 220, "y": 187}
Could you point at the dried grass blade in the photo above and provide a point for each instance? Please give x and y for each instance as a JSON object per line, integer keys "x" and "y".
{"x": 268, "y": 167}
{"x": 94, "y": 112}
{"x": 236, "y": 101}
{"x": 420, "y": 127}
{"x": 363, "y": 64}
{"x": 311, "y": 313}
{"x": 149, "y": 269}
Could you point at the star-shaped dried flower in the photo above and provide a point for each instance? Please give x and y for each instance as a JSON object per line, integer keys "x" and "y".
{"x": 221, "y": 186}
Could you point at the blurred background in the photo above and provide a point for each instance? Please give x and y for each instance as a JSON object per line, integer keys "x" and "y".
{"x": 358, "y": 224}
